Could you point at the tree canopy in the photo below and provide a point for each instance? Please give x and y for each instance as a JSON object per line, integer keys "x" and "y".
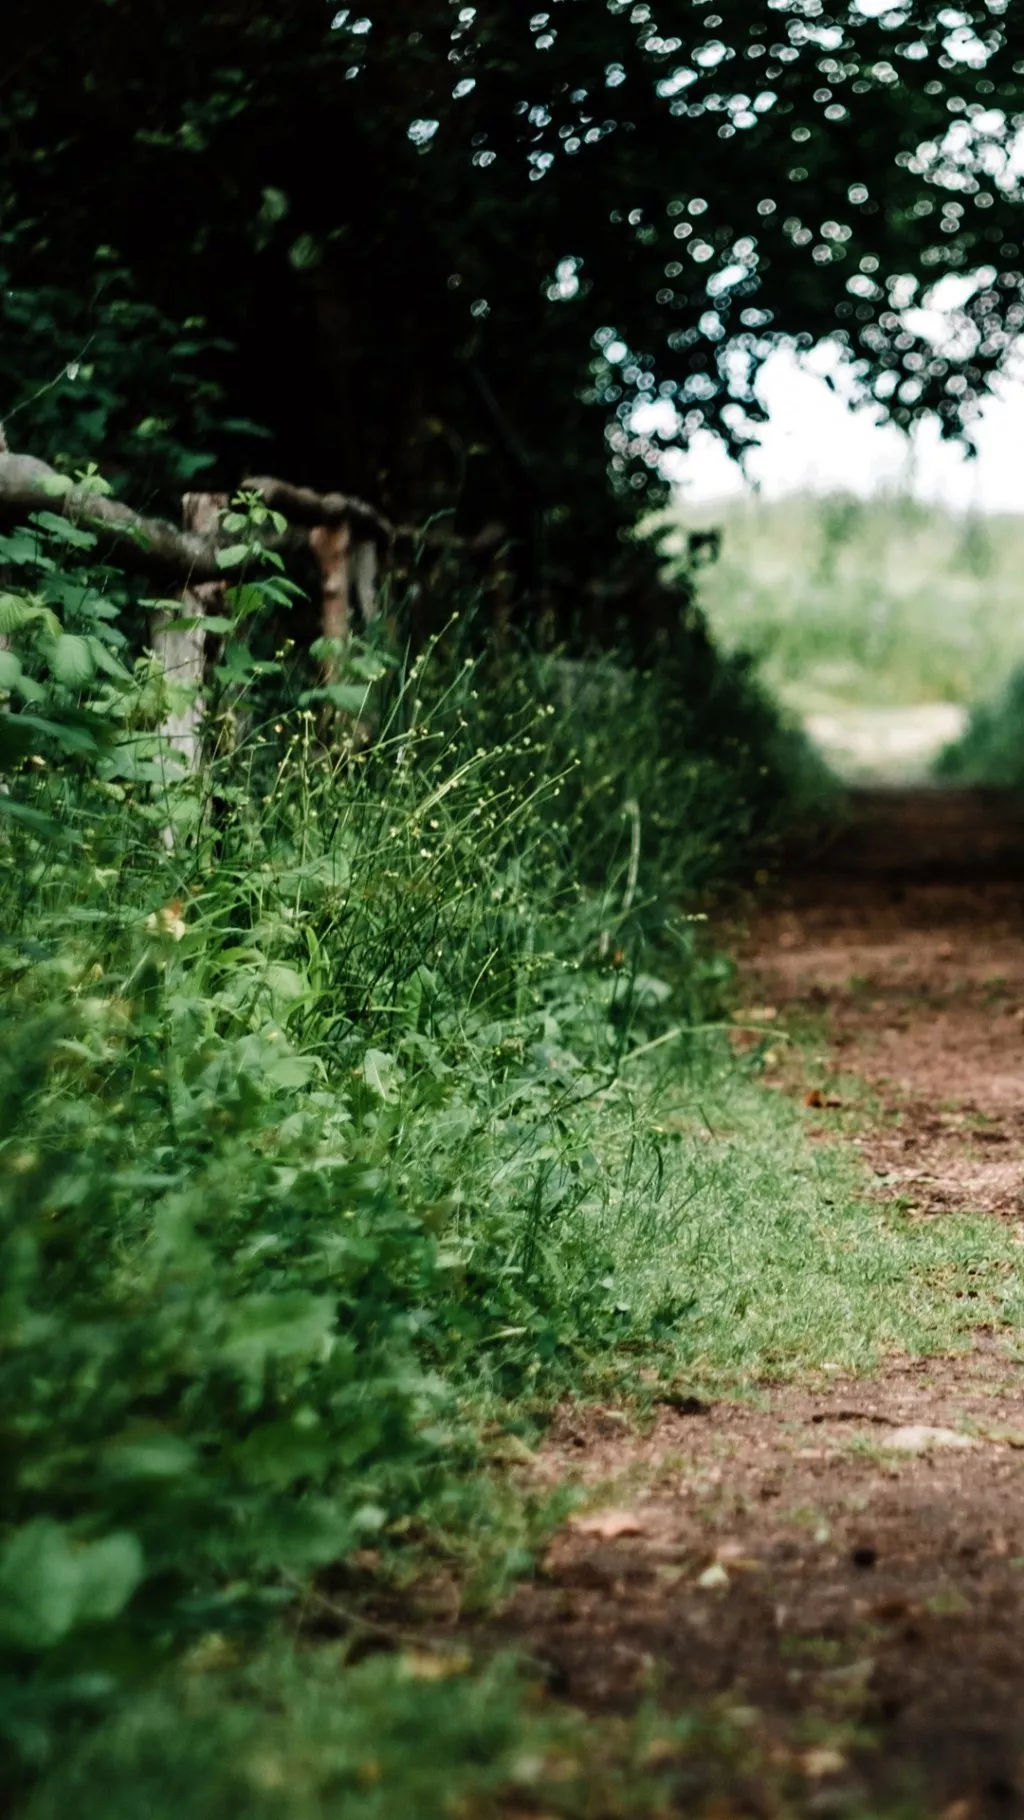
{"x": 441, "y": 252}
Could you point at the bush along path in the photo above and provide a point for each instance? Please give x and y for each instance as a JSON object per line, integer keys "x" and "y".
{"x": 823, "y": 1568}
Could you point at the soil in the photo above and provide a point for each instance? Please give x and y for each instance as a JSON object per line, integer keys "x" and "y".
{"x": 833, "y": 1573}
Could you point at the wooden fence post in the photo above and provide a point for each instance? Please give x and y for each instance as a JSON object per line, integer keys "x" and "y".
{"x": 364, "y": 579}
{"x": 332, "y": 545}
{"x": 182, "y": 653}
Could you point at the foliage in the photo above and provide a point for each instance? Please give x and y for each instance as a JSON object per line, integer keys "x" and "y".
{"x": 91, "y": 366}
{"x": 300, "y": 1109}
{"x": 860, "y": 602}
{"x": 991, "y": 750}
{"x": 512, "y": 186}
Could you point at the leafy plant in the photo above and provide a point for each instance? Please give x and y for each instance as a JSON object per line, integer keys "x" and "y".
{"x": 310, "y": 1120}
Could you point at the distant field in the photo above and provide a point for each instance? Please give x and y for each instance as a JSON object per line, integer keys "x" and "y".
{"x": 855, "y": 604}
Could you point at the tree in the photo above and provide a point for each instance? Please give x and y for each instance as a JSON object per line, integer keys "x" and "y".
{"x": 454, "y": 246}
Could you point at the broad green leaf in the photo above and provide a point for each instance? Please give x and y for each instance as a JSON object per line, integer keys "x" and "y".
{"x": 647, "y": 990}
{"x": 381, "y": 1073}
{"x": 10, "y": 670}
{"x": 104, "y": 660}
{"x": 33, "y": 819}
{"x": 49, "y": 1583}
{"x": 38, "y": 1586}
{"x": 63, "y": 532}
{"x": 71, "y": 660}
{"x": 109, "y": 1572}
{"x": 149, "y": 1456}
{"x": 15, "y": 612}
{"x": 234, "y": 554}
{"x": 290, "y": 1072}
{"x": 284, "y": 982}
{"x": 249, "y": 599}
{"x": 70, "y": 734}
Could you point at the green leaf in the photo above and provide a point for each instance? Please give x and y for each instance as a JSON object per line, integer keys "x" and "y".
{"x": 15, "y": 612}
{"x": 287, "y": 1073}
{"x": 63, "y": 532}
{"x": 43, "y": 825}
{"x": 647, "y": 990}
{"x": 249, "y": 599}
{"x": 10, "y": 670}
{"x": 109, "y": 1572}
{"x": 285, "y": 983}
{"x": 381, "y": 1073}
{"x": 104, "y": 660}
{"x": 290, "y": 1325}
{"x": 71, "y": 660}
{"x": 149, "y": 1456}
{"x": 72, "y": 735}
{"x": 234, "y": 554}
{"x": 49, "y": 1583}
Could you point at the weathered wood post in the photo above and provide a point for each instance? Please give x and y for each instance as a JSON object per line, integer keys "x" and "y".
{"x": 331, "y": 544}
{"x": 181, "y": 651}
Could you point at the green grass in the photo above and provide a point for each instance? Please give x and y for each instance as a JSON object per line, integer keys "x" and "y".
{"x": 854, "y": 603}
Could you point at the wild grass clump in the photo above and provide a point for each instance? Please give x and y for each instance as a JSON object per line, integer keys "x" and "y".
{"x": 991, "y": 750}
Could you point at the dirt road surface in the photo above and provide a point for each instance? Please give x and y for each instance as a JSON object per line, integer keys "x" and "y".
{"x": 834, "y": 1572}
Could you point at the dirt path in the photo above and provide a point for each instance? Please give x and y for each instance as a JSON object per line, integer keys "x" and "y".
{"x": 837, "y": 1574}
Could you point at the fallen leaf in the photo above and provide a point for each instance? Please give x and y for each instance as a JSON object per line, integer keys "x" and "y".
{"x": 609, "y": 1525}
{"x": 920, "y": 1437}
{"x": 714, "y": 1578}
{"x": 817, "y": 1098}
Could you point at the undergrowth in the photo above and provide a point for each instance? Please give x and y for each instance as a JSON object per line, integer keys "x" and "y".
{"x": 991, "y": 748}
{"x": 359, "y": 1098}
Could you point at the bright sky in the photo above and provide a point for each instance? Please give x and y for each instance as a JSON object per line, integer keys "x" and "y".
{"x": 817, "y": 439}
{"x": 815, "y": 442}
